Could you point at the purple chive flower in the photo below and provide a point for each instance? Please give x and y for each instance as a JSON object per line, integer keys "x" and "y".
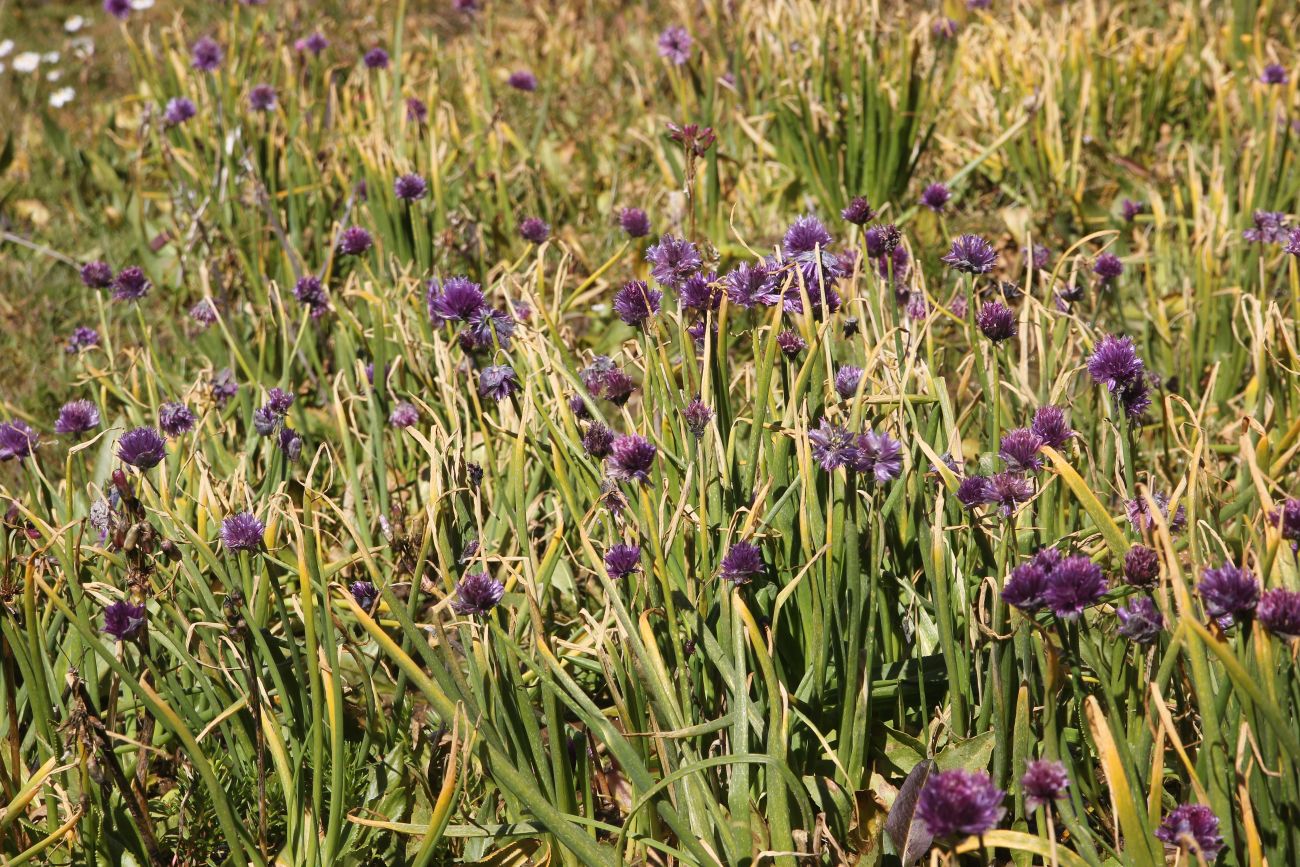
{"x": 314, "y": 43}
{"x": 404, "y": 415}
{"x": 142, "y": 448}
{"x": 17, "y": 440}
{"x": 1129, "y": 209}
{"x": 944, "y": 28}
{"x": 806, "y": 244}
{"x": 77, "y": 416}
{"x": 175, "y": 418}
{"x": 598, "y": 441}
{"x": 242, "y": 531}
{"x": 960, "y": 803}
{"x": 1141, "y": 566}
{"x": 123, "y": 620}
{"x": 375, "y": 58}
{"x": 81, "y": 338}
{"x": 975, "y": 491}
{"x": 749, "y": 285}
{"x": 1279, "y": 613}
{"x": 206, "y": 55}
{"x": 1108, "y": 268}
{"x": 1228, "y": 592}
{"x": 882, "y": 241}
{"x": 790, "y": 343}
{"x": 487, "y": 328}
{"x": 497, "y": 382}
{"x": 675, "y": 45}
{"x": 354, "y": 241}
{"x": 364, "y": 593}
{"x": 1193, "y": 827}
{"x": 622, "y": 561}
{"x": 847, "y": 379}
{"x": 1293, "y": 242}
{"x": 97, "y": 275}
{"x": 1140, "y": 621}
{"x": 971, "y": 254}
{"x": 290, "y": 443}
{"x": 700, "y": 292}
{"x": 1140, "y": 517}
{"x": 1274, "y": 73}
{"x": 130, "y": 284}
{"x": 1050, "y": 426}
{"x": 416, "y": 110}
{"x": 262, "y": 97}
{"x": 410, "y": 187}
{"x": 1269, "y": 228}
{"x": 1026, "y": 587}
{"x": 634, "y": 222}
{"x": 877, "y": 456}
{"x": 310, "y": 292}
{"x": 1044, "y": 782}
{"x": 858, "y": 211}
{"x": 832, "y": 446}
{"x": 203, "y": 313}
{"x": 996, "y": 321}
{"x": 223, "y": 386}
{"x": 693, "y": 138}
{"x": 1020, "y": 449}
{"x": 1073, "y": 585}
{"x": 1008, "y": 490}
{"x": 477, "y": 594}
{"x": 522, "y": 79}
{"x": 672, "y": 260}
{"x": 1287, "y": 520}
{"x": 1114, "y": 363}
{"x": 454, "y": 301}
{"x": 119, "y": 9}
{"x": 279, "y": 401}
{"x": 698, "y": 415}
{"x": 631, "y": 458}
{"x": 466, "y": 7}
{"x": 742, "y": 562}
{"x": 935, "y": 197}
{"x": 636, "y": 302}
{"x": 617, "y": 387}
{"x": 534, "y": 230}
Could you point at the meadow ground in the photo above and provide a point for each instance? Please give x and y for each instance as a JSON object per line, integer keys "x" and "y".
{"x": 701, "y": 433}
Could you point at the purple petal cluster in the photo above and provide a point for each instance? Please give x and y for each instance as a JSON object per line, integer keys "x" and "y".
{"x": 1044, "y": 782}
{"x": 622, "y": 561}
{"x": 971, "y": 254}
{"x": 1194, "y": 828}
{"x": 124, "y": 620}
{"x": 1140, "y": 621}
{"x": 742, "y": 562}
{"x": 142, "y": 448}
{"x": 477, "y": 594}
{"x": 1228, "y": 591}
{"x": 242, "y": 531}
{"x": 77, "y": 416}
{"x": 960, "y": 803}
{"x": 636, "y": 302}
{"x": 631, "y": 458}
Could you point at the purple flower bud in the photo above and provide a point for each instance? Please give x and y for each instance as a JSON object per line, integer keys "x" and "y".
{"x": 631, "y": 458}
{"x": 206, "y": 55}
{"x": 598, "y": 441}
{"x": 832, "y": 446}
{"x": 97, "y": 275}
{"x": 1050, "y": 426}
{"x": 290, "y": 444}
{"x": 354, "y": 241}
{"x": 1073, "y": 585}
{"x": 242, "y": 531}
{"x": 130, "y": 284}
{"x": 1270, "y": 227}
{"x": 1274, "y": 73}
{"x": 877, "y": 456}
{"x": 1108, "y": 267}
{"x": 456, "y": 300}
{"x": 635, "y": 302}
{"x": 123, "y": 621}
{"x": 974, "y": 491}
{"x": 81, "y": 338}
{"x": 1141, "y": 566}
{"x": 522, "y": 79}
{"x": 858, "y": 211}
{"x": 622, "y": 561}
{"x": 1044, "y": 782}
{"x": 262, "y": 97}
{"x": 742, "y": 562}
{"x": 996, "y": 321}
{"x": 1279, "y": 613}
{"x": 672, "y": 260}
{"x": 17, "y": 440}
{"x": 698, "y": 415}
{"x": 223, "y": 386}
{"x": 497, "y": 382}
{"x": 935, "y": 197}
{"x": 1008, "y": 490}
{"x": 142, "y": 448}
{"x": 410, "y": 187}
{"x": 960, "y": 803}
{"x": 790, "y": 343}
{"x": 376, "y": 58}
{"x": 1114, "y": 363}
{"x": 675, "y": 45}
{"x": 534, "y": 230}
{"x": 634, "y": 222}
{"x": 1192, "y": 827}
{"x": 971, "y": 254}
{"x": 700, "y": 292}
{"x": 203, "y": 313}
{"x": 119, "y": 9}
{"x": 1020, "y": 449}
{"x": 1228, "y": 592}
{"x": 1140, "y": 621}
{"x": 847, "y": 379}
{"x": 416, "y": 111}
{"x": 477, "y": 594}
{"x": 76, "y": 417}
{"x": 311, "y": 293}
{"x": 404, "y": 415}
{"x": 315, "y": 43}
{"x": 364, "y": 594}
{"x": 749, "y": 285}
{"x": 1129, "y": 209}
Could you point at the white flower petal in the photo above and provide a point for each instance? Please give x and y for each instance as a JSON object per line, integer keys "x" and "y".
{"x": 62, "y": 97}
{"x": 27, "y": 62}
{"x": 6, "y": 48}
{"x": 73, "y": 24}
{"x": 54, "y": 75}
{"x": 141, "y": 5}
{"x": 50, "y": 57}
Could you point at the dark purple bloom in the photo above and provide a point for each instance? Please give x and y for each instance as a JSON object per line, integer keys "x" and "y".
{"x": 631, "y": 458}
{"x": 698, "y": 415}
{"x": 354, "y": 241}
{"x": 1114, "y": 363}
{"x": 261, "y": 97}
{"x": 1274, "y": 73}
{"x": 935, "y": 197}
{"x": 1140, "y": 621}
{"x": 996, "y": 321}
{"x": 598, "y": 441}
{"x": 1026, "y": 587}
{"x": 960, "y": 803}
{"x": 944, "y": 28}
{"x": 636, "y": 302}
{"x": 175, "y": 418}
{"x": 622, "y": 561}
{"x": 404, "y": 415}
{"x": 1008, "y": 490}
{"x": 522, "y": 79}
{"x": 1269, "y": 228}
{"x": 97, "y": 275}
{"x": 975, "y": 491}
{"x": 1193, "y": 827}
{"x": 634, "y": 222}
{"x": 971, "y": 254}
{"x": 1140, "y": 517}
{"x": 290, "y": 443}
{"x": 315, "y": 43}
{"x": 832, "y": 446}
{"x": 534, "y": 230}
{"x": 206, "y": 55}
{"x": 1050, "y": 426}
{"x": 1044, "y": 782}
{"x": 410, "y": 187}
{"x": 742, "y": 562}
{"x": 497, "y": 382}
{"x": 1129, "y": 209}
{"x": 858, "y": 211}
{"x": 1039, "y": 257}
{"x": 675, "y": 45}
{"x": 77, "y": 416}
{"x": 242, "y": 531}
{"x": 477, "y": 594}
{"x": 466, "y": 7}
{"x": 1228, "y": 592}
{"x": 1287, "y": 520}
{"x": 311, "y": 293}
{"x": 790, "y": 343}
{"x": 376, "y": 58}
{"x": 279, "y": 401}
{"x": 1279, "y": 613}
{"x": 142, "y": 448}
{"x": 672, "y": 260}
{"x": 700, "y": 292}
{"x": 204, "y": 313}
{"x": 1073, "y": 585}
{"x": 266, "y": 421}
{"x": 750, "y": 285}
{"x": 119, "y": 9}
{"x": 1108, "y": 267}
{"x": 593, "y": 376}
{"x": 806, "y": 244}
{"x": 1020, "y": 449}
{"x": 364, "y": 594}
{"x": 17, "y": 440}
{"x": 847, "y": 379}
{"x": 1141, "y": 566}
{"x": 416, "y": 110}
{"x": 130, "y": 284}
{"x": 882, "y": 240}
{"x": 223, "y": 386}
{"x": 877, "y": 456}
{"x": 617, "y": 387}
{"x": 1293, "y": 242}
{"x": 123, "y": 621}
{"x": 487, "y": 328}
{"x": 81, "y": 338}
{"x": 456, "y": 300}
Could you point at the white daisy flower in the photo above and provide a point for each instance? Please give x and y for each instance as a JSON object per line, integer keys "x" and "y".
{"x": 27, "y": 61}
{"x": 50, "y": 57}
{"x": 73, "y": 24}
{"x": 62, "y": 97}
{"x": 6, "y": 48}
{"x": 54, "y": 75}
{"x": 141, "y": 5}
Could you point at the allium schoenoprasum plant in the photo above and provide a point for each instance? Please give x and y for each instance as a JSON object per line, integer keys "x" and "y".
{"x": 604, "y": 433}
